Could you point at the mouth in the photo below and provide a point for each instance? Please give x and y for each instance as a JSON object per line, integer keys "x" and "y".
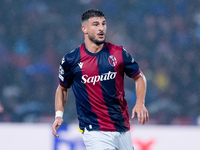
{"x": 101, "y": 35}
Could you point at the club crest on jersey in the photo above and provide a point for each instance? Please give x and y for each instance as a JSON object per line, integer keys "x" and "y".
{"x": 112, "y": 60}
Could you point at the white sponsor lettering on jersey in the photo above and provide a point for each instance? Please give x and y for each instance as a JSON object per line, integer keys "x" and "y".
{"x": 106, "y": 76}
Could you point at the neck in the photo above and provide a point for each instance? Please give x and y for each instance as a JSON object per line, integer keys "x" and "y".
{"x": 92, "y": 47}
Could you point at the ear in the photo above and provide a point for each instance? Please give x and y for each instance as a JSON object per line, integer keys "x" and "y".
{"x": 84, "y": 29}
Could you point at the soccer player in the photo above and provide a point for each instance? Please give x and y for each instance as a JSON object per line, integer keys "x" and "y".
{"x": 95, "y": 70}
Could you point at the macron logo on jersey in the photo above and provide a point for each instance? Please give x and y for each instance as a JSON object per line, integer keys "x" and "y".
{"x": 106, "y": 76}
{"x": 80, "y": 65}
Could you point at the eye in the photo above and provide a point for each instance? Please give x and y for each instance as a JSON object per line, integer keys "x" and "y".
{"x": 95, "y": 23}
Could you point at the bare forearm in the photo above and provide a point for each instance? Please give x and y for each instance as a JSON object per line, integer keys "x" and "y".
{"x": 140, "y": 89}
{"x": 60, "y": 98}
{"x": 139, "y": 108}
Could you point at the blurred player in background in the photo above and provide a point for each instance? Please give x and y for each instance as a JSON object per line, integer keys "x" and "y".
{"x": 95, "y": 70}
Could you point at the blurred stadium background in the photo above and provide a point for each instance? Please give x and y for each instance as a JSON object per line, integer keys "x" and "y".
{"x": 162, "y": 35}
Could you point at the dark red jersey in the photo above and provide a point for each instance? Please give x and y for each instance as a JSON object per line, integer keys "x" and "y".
{"x": 97, "y": 80}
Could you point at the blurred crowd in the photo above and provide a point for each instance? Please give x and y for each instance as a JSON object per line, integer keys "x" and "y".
{"x": 163, "y": 36}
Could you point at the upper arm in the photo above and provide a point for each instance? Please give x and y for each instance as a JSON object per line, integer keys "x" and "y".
{"x": 62, "y": 88}
{"x": 61, "y": 91}
{"x": 61, "y": 94}
{"x": 141, "y": 76}
{"x": 131, "y": 67}
{"x": 65, "y": 73}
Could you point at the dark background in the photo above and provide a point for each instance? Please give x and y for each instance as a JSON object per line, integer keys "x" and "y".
{"x": 163, "y": 36}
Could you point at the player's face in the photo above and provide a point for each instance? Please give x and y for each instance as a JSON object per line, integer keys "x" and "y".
{"x": 96, "y": 29}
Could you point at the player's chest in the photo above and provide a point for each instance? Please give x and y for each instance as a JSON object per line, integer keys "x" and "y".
{"x": 93, "y": 65}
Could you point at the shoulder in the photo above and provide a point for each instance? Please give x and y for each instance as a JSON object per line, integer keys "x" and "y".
{"x": 70, "y": 56}
{"x": 113, "y": 46}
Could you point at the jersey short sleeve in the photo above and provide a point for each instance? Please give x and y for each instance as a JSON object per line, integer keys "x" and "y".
{"x": 131, "y": 67}
{"x": 65, "y": 73}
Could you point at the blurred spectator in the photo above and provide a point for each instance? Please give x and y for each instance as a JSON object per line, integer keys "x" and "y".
{"x": 1, "y": 108}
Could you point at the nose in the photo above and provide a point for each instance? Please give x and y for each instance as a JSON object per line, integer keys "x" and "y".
{"x": 102, "y": 27}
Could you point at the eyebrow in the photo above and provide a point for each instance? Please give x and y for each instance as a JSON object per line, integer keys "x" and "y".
{"x": 95, "y": 22}
{"x": 98, "y": 22}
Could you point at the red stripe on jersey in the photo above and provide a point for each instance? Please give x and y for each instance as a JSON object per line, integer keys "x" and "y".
{"x": 63, "y": 85}
{"x": 136, "y": 74}
{"x": 90, "y": 68}
{"x": 116, "y": 51}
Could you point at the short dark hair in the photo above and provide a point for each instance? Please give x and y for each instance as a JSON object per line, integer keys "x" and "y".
{"x": 91, "y": 13}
